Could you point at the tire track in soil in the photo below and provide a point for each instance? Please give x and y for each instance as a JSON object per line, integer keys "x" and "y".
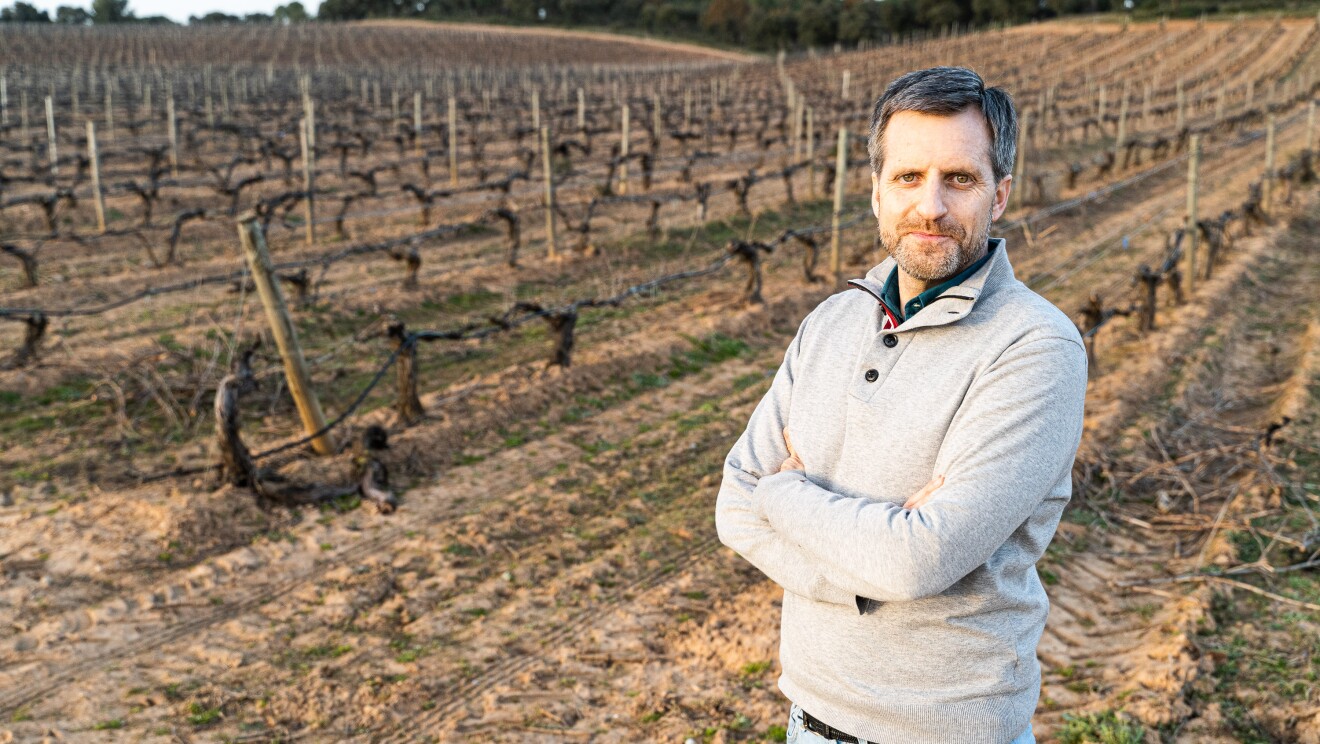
{"x": 1096, "y": 640}
{"x": 254, "y": 598}
{"x": 1107, "y": 647}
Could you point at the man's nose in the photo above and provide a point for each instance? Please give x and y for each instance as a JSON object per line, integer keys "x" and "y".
{"x": 931, "y": 202}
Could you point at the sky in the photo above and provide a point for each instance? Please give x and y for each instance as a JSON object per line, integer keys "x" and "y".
{"x": 176, "y": 10}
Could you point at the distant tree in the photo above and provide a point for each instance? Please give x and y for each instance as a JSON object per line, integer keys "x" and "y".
{"x": 353, "y": 10}
{"x": 860, "y": 19}
{"x": 23, "y": 13}
{"x": 726, "y": 18}
{"x": 772, "y": 28}
{"x": 111, "y": 11}
{"x": 294, "y": 12}
{"x": 214, "y": 17}
{"x": 156, "y": 20}
{"x": 818, "y": 22}
{"x": 258, "y": 18}
{"x": 72, "y": 16}
{"x": 940, "y": 13}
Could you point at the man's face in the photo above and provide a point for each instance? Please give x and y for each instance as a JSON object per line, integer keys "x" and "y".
{"x": 936, "y": 196}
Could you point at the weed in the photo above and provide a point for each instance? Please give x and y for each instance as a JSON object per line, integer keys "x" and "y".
{"x": 1100, "y": 728}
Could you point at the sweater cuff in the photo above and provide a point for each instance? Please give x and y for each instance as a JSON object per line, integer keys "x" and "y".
{"x": 770, "y": 490}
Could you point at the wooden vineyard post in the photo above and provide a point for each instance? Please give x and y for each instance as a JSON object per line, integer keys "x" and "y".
{"x": 1020, "y": 167}
{"x": 1145, "y": 109}
{"x": 623, "y": 153}
{"x": 4, "y": 100}
{"x": 1193, "y": 174}
{"x": 309, "y": 179}
{"x": 95, "y": 160}
{"x": 811, "y": 151}
{"x": 657, "y": 120}
{"x": 50, "y": 137}
{"x": 1310, "y": 127}
{"x": 417, "y": 123}
{"x": 847, "y": 78}
{"x": 174, "y": 137}
{"x": 453, "y": 141}
{"x": 840, "y": 170}
{"x": 581, "y": 110}
{"x": 1268, "y": 200}
{"x": 109, "y": 112}
{"x": 1122, "y": 122}
{"x": 797, "y": 130}
{"x": 549, "y": 195}
{"x": 536, "y": 110}
{"x": 281, "y": 326}
{"x": 1179, "y": 123}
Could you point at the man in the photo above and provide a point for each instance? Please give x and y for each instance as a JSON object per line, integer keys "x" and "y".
{"x": 912, "y": 613}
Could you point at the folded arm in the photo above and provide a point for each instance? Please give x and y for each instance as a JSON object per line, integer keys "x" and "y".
{"x": 757, "y": 454}
{"x": 1014, "y": 437}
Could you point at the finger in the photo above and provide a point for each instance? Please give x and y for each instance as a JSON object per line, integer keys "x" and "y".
{"x": 788, "y": 441}
{"x": 922, "y": 496}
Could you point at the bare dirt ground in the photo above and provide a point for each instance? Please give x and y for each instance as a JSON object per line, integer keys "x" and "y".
{"x": 553, "y": 572}
{"x": 562, "y": 581}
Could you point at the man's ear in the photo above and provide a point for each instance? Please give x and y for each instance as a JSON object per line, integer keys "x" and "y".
{"x": 875, "y": 194}
{"x": 1001, "y": 197}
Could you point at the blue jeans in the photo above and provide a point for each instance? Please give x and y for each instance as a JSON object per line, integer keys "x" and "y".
{"x": 798, "y": 733}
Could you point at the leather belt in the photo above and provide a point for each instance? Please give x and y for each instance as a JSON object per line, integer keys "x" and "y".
{"x": 815, "y": 725}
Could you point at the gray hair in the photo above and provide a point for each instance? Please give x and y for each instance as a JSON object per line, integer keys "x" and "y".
{"x": 946, "y": 91}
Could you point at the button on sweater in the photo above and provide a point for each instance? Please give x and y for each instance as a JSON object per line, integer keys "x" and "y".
{"x": 913, "y": 625}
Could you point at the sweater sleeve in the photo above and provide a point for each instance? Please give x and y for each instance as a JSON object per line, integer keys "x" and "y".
{"x": 1011, "y": 443}
{"x": 741, "y": 526}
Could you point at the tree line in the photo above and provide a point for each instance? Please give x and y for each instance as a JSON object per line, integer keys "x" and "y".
{"x": 764, "y": 25}
{"x": 117, "y": 11}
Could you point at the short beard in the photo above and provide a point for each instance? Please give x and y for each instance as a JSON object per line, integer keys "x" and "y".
{"x": 933, "y": 268}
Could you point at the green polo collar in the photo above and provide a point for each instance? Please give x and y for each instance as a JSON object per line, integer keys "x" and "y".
{"x": 892, "y": 297}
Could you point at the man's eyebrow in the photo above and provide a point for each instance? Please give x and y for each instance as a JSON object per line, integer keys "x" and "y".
{"x": 959, "y": 168}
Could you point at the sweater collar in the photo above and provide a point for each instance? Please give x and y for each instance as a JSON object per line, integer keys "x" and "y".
{"x": 958, "y": 299}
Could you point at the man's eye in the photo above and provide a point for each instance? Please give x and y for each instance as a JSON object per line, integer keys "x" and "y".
{"x": 908, "y": 177}
{"x": 962, "y": 178}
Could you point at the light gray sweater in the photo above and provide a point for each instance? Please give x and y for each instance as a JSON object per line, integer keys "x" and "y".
{"x": 901, "y": 625}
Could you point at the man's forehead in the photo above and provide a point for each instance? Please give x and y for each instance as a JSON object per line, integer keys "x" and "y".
{"x": 919, "y": 140}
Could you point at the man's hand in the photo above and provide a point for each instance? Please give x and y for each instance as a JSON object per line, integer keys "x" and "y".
{"x": 793, "y": 462}
{"x": 922, "y": 496}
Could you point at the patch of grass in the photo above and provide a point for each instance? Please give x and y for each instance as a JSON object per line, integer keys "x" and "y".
{"x": 1100, "y": 728}
{"x": 200, "y": 715}
{"x": 326, "y": 651}
{"x": 648, "y": 380}
{"x": 754, "y": 668}
{"x": 712, "y": 349}
{"x": 1047, "y": 576}
{"x": 742, "y": 382}
{"x": 1145, "y": 610}
{"x": 113, "y": 723}
{"x": 775, "y": 733}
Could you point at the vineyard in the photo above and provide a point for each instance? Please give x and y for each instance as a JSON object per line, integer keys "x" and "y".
{"x": 373, "y": 382}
